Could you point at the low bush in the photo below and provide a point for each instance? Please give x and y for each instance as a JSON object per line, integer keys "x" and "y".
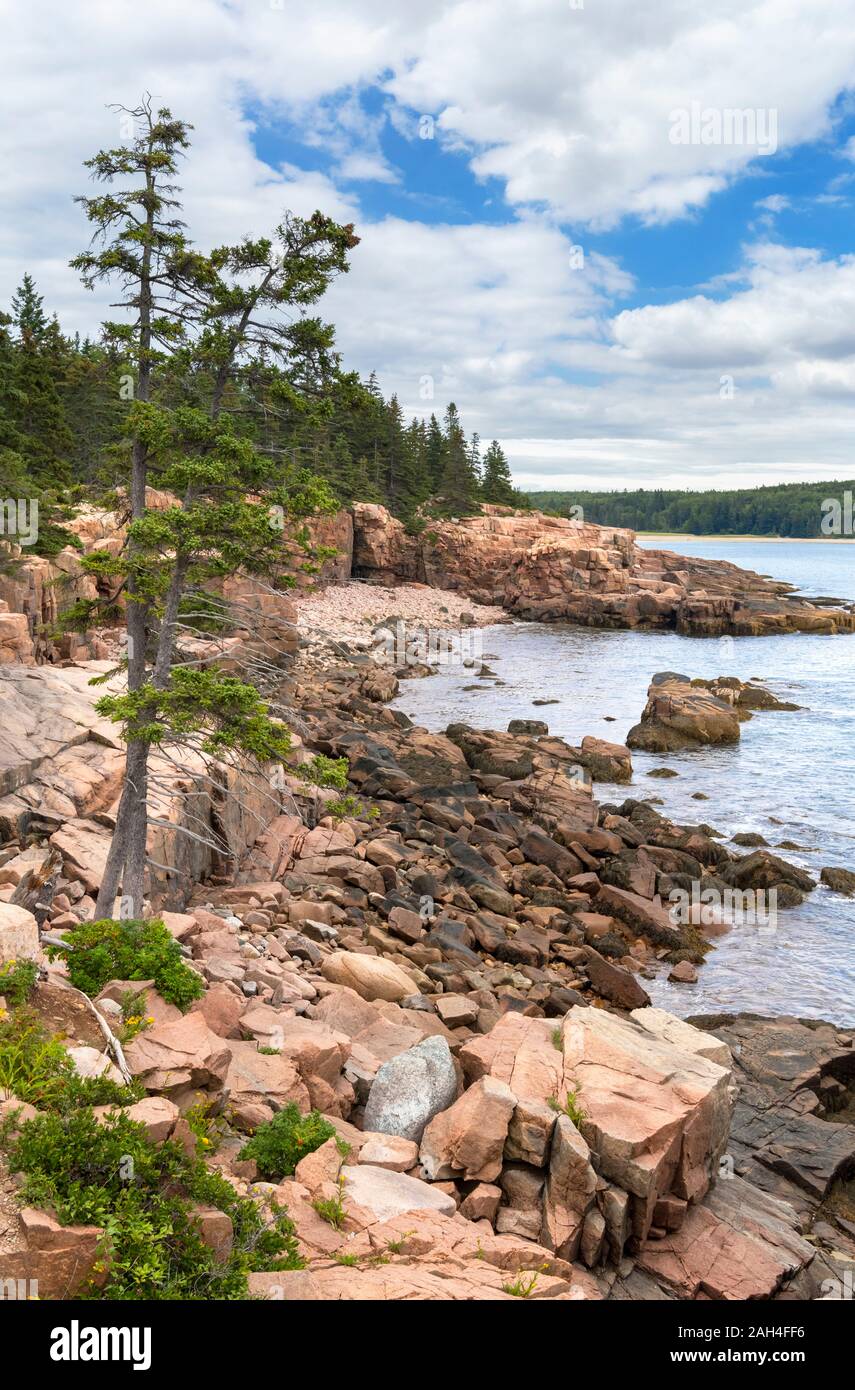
{"x": 128, "y": 950}
{"x": 36, "y": 1068}
{"x": 326, "y": 772}
{"x": 142, "y": 1194}
{"x": 17, "y": 981}
{"x": 278, "y": 1145}
{"x": 33, "y": 1067}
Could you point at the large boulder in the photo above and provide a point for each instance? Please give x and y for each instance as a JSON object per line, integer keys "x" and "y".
{"x": 570, "y": 1190}
{"x": 614, "y": 982}
{"x": 739, "y": 1244}
{"x": 764, "y": 870}
{"x": 84, "y": 846}
{"x": 681, "y": 713}
{"x": 794, "y": 1077}
{"x": 606, "y": 762}
{"x": 385, "y": 1193}
{"x": 372, "y": 977}
{"x": 468, "y": 1139}
{"x": 261, "y": 1083}
{"x": 521, "y": 1052}
{"x": 644, "y": 916}
{"x": 318, "y": 1053}
{"x": 19, "y": 934}
{"x": 683, "y": 1035}
{"x": 55, "y": 1261}
{"x": 656, "y": 1116}
{"x": 411, "y": 1088}
{"x": 179, "y": 1056}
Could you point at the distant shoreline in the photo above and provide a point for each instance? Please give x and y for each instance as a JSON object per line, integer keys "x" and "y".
{"x": 769, "y": 540}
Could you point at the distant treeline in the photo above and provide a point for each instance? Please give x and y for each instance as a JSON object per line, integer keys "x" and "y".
{"x": 788, "y": 509}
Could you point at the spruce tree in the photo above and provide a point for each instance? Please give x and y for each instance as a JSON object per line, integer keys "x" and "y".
{"x": 27, "y": 312}
{"x": 459, "y": 484}
{"x": 497, "y": 485}
{"x": 224, "y": 318}
{"x": 35, "y": 406}
{"x": 434, "y": 455}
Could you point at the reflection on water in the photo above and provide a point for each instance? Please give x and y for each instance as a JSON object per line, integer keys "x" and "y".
{"x": 791, "y": 778}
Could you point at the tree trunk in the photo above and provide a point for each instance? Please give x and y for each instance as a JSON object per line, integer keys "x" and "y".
{"x": 126, "y": 860}
{"x": 133, "y": 882}
{"x": 132, "y": 813}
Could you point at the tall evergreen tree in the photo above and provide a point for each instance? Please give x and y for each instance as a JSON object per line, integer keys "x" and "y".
{"x": 229, "y": 317}
{"x": 35, "y": 409}
{"x": 459, "y": 484}
{"x": 497, "y": 485}
{"x": 27, "y": 312}
{"x": 434, "y": 454}
{"x": 139, "y": 241}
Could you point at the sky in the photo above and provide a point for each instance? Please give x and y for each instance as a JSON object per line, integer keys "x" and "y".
{"x": 620, "y": 236}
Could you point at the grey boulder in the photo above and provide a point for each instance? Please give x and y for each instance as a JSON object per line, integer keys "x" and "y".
{"x": 410, "y": 1089}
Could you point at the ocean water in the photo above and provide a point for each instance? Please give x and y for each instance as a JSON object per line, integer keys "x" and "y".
{"x": 792, "y": 777}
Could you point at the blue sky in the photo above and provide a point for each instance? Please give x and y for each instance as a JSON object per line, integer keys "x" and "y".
{"x": 434, "y": 183}
{"x": 553, "y": 128}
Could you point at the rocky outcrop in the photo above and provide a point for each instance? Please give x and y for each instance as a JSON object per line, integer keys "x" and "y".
{"x": 61, "y": 766}
{"x": 686, "y": 713}
{"x": 532, "y": 565}
{"x": 35, "y": 591}
{"x": 549, "y": 568}
{"x": 682, "y": 714}
{"x": 636, "y": 1112}
{"x": 19, "y": 934}
{"x": 794, "y": 1077}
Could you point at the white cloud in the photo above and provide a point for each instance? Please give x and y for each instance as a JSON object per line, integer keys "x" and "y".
{"x": 569, "y": 110}
{"x": 485, "y": 312}
{"x": 797, "y": 305}
{"x": 776, "y": 202}
{"x": 573, "y": 107}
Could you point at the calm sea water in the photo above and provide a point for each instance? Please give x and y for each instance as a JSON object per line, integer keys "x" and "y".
{"x": 792, "y": 777}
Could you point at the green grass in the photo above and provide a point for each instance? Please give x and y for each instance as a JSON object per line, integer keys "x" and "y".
{"x": 571, "y": 1107}
{"x": 17, "y": 981}
{"x": 521, "y": 1287}
{"x": 331, "y": 1209}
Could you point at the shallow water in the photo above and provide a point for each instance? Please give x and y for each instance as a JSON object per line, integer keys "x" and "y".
{"x": 792, "y": 777}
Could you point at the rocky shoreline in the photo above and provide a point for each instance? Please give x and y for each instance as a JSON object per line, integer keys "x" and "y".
{"x": 446, "y": 961}
{"x": 528, "y": 564}
{"x": 547, "y": 568}
{"x": 342, "y": 621}
{"x": 449, "y": 968}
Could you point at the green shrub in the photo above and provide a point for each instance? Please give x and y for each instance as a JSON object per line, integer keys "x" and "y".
{"x": 331, "y": 1209}
{"x": 278, "y": 1145}
{"x": 17, "y": 980}
{"x": 521, "y": 1287}
{"x": 572, "y": 1107}
{"x": 33, "y": 1067}
{"x": 128, "y": 950}
{"x": 345, "y": 806}
{"x": 326, "y": 772}
{"x": 205, "y": 1125}
{"x": 143, "y": 1195}
{"x": 37, "y": 1069}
